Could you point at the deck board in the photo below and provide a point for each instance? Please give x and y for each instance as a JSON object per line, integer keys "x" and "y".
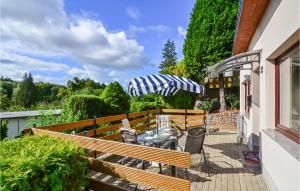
{"x": 227, "y": 171}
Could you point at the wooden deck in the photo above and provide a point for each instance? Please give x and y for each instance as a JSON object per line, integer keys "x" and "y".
{"x": 227, "y": 171}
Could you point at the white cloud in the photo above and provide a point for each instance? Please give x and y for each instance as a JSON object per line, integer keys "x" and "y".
{"x": 43, "y": 28}
{"x": 31, "y": 63}
{"x": 133, "y": 29}
{"x": 158, "y": 28}
{"x": 181, "y": 31}
{"x": 133, "y": 13}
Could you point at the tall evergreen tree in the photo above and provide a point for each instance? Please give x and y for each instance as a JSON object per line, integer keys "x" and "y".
{"x": 168, "y": 55}
{"x": 210, "y": 35}
{"x": 27, "y": 92}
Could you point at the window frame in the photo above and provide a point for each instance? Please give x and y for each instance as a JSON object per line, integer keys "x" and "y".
{"x": 293, "y": 135}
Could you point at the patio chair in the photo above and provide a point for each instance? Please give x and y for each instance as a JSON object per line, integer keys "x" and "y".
{"x": 129, "y": 136}
{"x": 163, "y": 122}
{"x": 125, "y": 124}
{"x": 194, "y": 144}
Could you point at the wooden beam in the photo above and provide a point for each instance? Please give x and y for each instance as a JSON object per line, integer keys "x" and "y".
{"x": 101, "y": 130}
{"x": 171, "y": 157}
{"x": 113, "y": 136}
{"x": 154, "y": 111}
{"x": 137, "y": 114}
{"x": 195, "y": 117}
{"x": 67, "y": 126}
{"x": 173, "y": 110}
{"x": 189, "y": 111}
{"x": 149, "y": 179}
{"x": 110, "y": 118}
{"x": 141, "y": 120}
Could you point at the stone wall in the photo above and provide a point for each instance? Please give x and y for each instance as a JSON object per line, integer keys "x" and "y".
{"x": 226, "y": 119}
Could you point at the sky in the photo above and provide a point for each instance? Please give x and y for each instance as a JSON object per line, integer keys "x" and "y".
{"x": 104, "y": 40}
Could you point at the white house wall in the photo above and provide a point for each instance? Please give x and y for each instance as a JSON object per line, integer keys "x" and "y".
{"x": 15, "y": 126}
{"x": 281, "y": 170}
{"x": 280, "y": 22}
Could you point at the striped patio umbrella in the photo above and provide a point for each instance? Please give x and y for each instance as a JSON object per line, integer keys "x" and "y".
{"x": 165, "y": 85}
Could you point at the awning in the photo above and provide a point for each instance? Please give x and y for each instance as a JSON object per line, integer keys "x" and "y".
{"x": 243, "y": 61}
{"x": 165, "y": 85}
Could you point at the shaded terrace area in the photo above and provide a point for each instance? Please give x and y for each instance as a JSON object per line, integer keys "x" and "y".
{"x": 227, "y": 171}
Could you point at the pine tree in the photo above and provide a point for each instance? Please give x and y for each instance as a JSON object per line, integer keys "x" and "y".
{"x": 27, "y": 92}
{"x": 210, "y": 35}
{"x": 168, "y": 55}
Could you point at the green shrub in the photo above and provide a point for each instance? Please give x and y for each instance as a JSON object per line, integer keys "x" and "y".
{"x": 208, "y": 104}
{"x": 181, "y": 100}
{"x": 115, "y": 98}
{"x": 86, "y": 106}
{"x": 232, "y": 101}
{"x": 3, "y": 129}
{"x": 41, "y": 163}
{"x": 146, "y": 102}
{"x": 142, "y": 106}
{"x": 48, "y": 118}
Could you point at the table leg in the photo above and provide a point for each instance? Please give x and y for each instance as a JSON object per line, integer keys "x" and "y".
{"x": 173, "y": 147}
{"x": 159, "y": 164}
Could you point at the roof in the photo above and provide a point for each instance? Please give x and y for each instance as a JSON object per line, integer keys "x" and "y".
{"x": 21, "y": 114}
{"x": 242, "y": 61}
{"x": 249, "y": 16}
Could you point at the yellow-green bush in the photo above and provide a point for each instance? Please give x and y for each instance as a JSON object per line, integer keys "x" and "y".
{"x": 41, "y": 163}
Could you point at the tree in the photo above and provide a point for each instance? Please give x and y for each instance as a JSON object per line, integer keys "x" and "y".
{"x": 210, "y": 35}
{"x": 27, "y": 92}
{"x": 78, "y": 84}
{"x": 168, "y": 55}
{"x": 6, "y": 88}
{"x": 5, "y": 102}
{"x": 115, "y": 98}
{"x": 179, "y": 69}
{"x": 209, "y": 38}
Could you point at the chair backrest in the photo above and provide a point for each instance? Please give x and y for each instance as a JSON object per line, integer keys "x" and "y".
{"x": 194, "y": 140}
{"x": 129, "y": 137}
{"x": 163, "y": 122}
{"x": 125, "y": 124}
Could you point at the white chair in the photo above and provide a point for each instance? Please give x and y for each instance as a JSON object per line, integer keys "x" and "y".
{"x": 163, "y": 122}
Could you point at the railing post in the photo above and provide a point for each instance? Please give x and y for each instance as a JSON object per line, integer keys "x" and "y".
{"x": 28, "y": 131}
{"x": 148, "y": 122}
{"x": 95, "y": 133}
{"x": 185, "y": 115}
{"x": 85, "y": 133}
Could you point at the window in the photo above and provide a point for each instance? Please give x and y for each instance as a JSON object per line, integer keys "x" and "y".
{"x": 287, "y": 73}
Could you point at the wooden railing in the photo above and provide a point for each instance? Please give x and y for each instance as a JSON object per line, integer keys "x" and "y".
{"x": 184, "y": 118}
{"x": 108, "y": 127}
{"x": 152, "y": 180}
{"x": 95, "y": 135}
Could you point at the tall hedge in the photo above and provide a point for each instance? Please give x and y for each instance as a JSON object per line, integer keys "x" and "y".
{"x": 115, "y": 98}
{"x": 86, "y": 106}
{"x": 210, "y": 35}
{"x": 181, "y": 100}
{"x": 41, "y": 163}
{"x": 146, "y": 102}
